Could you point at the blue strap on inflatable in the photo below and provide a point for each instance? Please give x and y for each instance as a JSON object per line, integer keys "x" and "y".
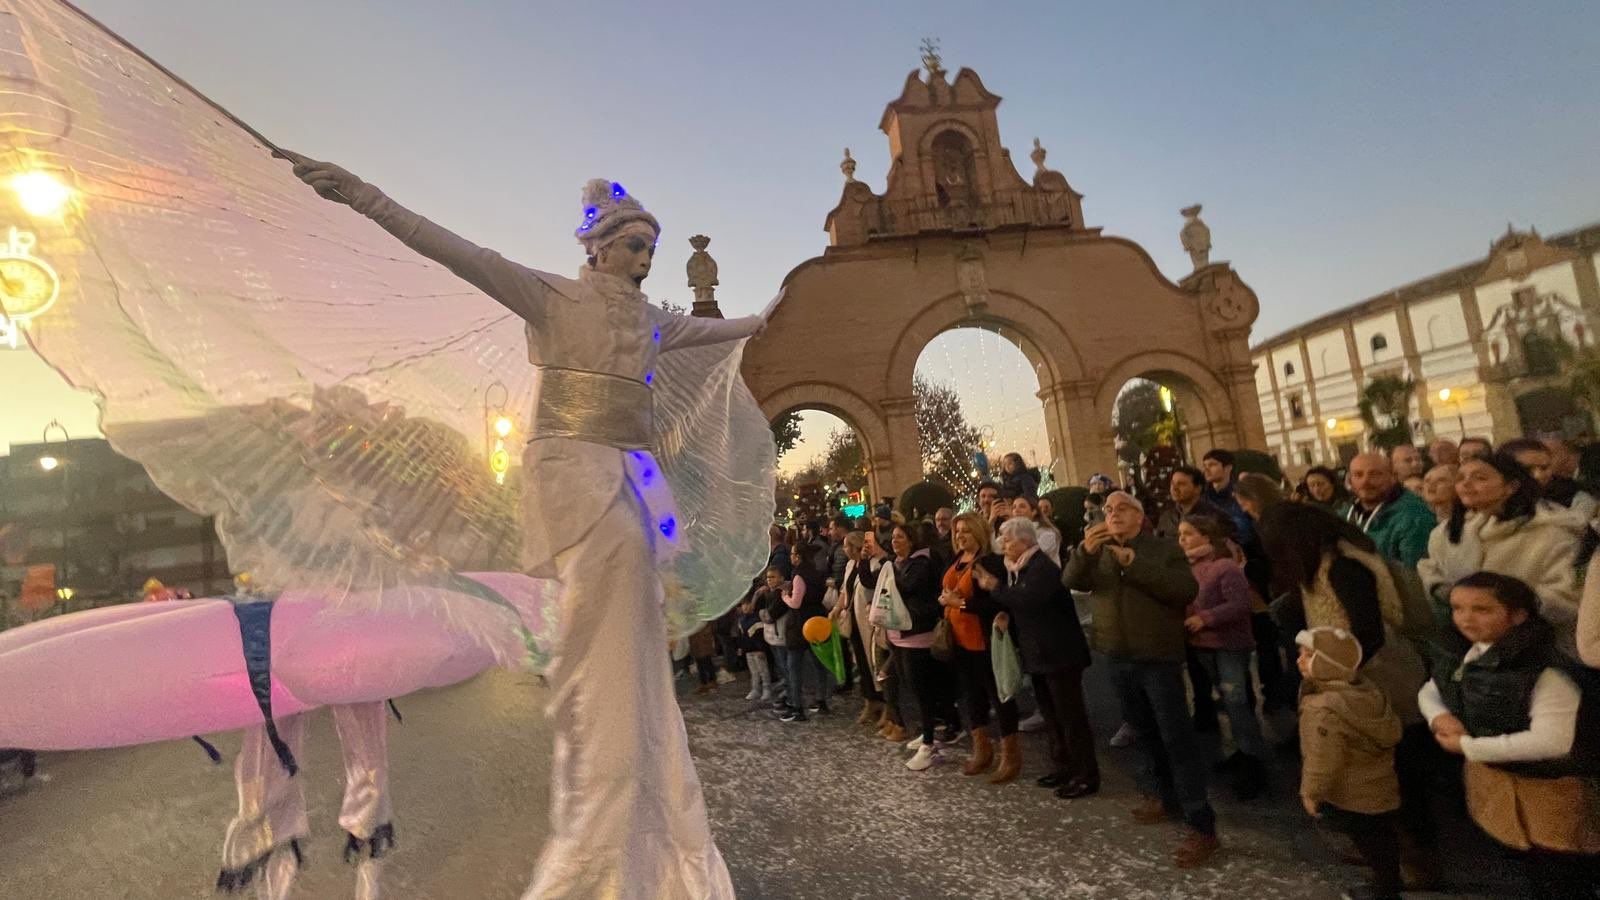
{"x": 255, "y": 633}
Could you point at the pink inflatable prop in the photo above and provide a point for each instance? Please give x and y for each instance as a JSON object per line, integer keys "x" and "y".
{"x": 148, "y": 672}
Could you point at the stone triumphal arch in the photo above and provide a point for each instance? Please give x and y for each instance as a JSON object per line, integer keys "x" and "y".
{"x": 959, "y": 239}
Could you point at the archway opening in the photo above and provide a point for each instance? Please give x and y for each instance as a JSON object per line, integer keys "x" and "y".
{"x": 823, "y": 466}
{"x": 1159, "y": 423}
{"x": 977, "y": 394}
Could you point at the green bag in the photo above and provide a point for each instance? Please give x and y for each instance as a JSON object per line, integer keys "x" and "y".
{"x": 831, "y": 654}
{"x": 1007, "y": 665}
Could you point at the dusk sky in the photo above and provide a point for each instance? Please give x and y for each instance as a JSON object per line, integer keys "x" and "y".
{"x": 1339, "y": 149}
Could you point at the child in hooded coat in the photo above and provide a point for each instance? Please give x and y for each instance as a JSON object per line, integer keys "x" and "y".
{"x": 1348, "y": 732}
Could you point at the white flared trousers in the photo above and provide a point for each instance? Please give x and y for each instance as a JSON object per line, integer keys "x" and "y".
{"x": 272, "y": 803}
{"x": 627, "y": 818}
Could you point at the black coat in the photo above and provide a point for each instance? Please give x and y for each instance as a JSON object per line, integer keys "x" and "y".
{"x": 777, "y": 559}
{"x": 1021, "y": 483}
{"x": 1048, "y": 635}
{"x": 919, "y": 586}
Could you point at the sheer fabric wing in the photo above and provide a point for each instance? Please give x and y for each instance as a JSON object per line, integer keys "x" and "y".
{"x": 716, "y": 449}
{"x": 286, "y": 366}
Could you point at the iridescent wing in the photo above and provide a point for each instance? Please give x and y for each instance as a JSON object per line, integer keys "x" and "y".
{"x": 281, "y": 363}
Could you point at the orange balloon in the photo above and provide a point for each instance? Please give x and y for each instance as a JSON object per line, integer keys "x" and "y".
{"x": 817, "y": 629}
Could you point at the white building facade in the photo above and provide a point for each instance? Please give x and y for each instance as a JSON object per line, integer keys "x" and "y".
{"x": 1482, "y": 342}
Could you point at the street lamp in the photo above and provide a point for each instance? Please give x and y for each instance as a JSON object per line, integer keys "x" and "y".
{"x": 1444, "y": 397}
{"x": 50, "y": 462}
{"x": 40, "y": 193}
{"x": 1333, "y": 424}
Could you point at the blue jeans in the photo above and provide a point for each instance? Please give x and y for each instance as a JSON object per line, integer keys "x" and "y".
{"x": 1169, "y": 763}
{"x": 780, "y": 663}
{"x": 1230, "y": 672}
{"x": 803, "y": 666}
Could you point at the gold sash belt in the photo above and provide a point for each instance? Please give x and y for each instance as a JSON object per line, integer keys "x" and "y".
{"x": 593, "y": 406}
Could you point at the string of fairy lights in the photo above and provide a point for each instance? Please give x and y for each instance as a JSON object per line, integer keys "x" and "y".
{"x": 996, "y": 385}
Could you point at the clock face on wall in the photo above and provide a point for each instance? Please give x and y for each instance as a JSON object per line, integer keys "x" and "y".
{"x": 27, "y": 286}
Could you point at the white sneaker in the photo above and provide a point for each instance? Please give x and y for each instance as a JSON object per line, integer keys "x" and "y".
{"x": 926, "y": 757}
{"x": 755, "y": 693}
{"x": 915, "y": 743}
{"x": 766, "y": 696}
{"x": 1125, "y": 736}
{"x": 725, "y": 677}
{"x": 1034, "y": 722}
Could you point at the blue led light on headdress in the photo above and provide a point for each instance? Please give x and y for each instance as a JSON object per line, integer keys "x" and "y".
{"x": 607, "y": 209}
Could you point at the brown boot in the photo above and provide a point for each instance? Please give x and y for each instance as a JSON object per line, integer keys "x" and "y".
{"x": 982, "y": 753}
{"x": 874, "y": 714}
{"x": 1150, "y": 811}
{"x": 1197, "y": 847}
{"x": 866, "y": 713}
{"x": 883, "y": 716}
{"x": 1010, "y": 760}
{"x": 896, "y": 733}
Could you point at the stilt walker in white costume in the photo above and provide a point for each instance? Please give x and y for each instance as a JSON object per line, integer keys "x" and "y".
{"x": 322, "y": 396}
{"x": 627, "y": 816}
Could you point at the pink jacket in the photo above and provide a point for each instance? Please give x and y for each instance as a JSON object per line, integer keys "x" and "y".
{"x": 1224, "y": 603}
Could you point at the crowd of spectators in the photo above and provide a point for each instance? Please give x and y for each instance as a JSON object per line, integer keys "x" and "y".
{"x": 1415, "y": 630}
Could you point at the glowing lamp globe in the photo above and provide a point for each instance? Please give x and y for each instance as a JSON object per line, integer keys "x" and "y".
{"x": 40, "y": 193}
{"x": 817, "y": 629}
{"x": 502, "y": 426}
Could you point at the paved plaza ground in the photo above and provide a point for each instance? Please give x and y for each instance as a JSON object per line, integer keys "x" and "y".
{"x": 801, "y": 811}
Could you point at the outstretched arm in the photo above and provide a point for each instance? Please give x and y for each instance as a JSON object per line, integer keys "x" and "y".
{"x": 679, "y": 332}
{"x": 516, "y": 287}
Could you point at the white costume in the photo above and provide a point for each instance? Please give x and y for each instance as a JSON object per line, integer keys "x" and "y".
{"x": 628, "y": 817}
{"x": 283, "y": 367}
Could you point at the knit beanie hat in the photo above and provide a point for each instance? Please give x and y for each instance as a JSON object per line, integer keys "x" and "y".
{"x": 1336, "y": 654}
{"x": 608, "y": 210}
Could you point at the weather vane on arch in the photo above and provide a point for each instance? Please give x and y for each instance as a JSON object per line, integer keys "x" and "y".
{"x": 931, "y": 60}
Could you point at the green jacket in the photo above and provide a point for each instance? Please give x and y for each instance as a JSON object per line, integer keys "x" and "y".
{"x": 1400, "y": 527}
{"x": 1138, "y": 611}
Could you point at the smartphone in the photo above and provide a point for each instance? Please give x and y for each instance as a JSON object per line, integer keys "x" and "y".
{"x": 1095, "y": 516}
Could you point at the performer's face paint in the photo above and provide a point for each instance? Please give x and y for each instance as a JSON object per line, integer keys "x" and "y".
{"x": 627, "y": 257}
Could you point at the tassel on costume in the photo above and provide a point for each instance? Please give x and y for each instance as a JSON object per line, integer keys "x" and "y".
{"x": 375, "y": 847}
{"x": 234, "y": 881}
{"x": 396, "y": 710}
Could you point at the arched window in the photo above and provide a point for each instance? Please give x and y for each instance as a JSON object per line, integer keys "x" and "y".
{"x": 1379, "y": 342}
{"x": 954, "y": 170}
{"x": 1288, "y": 369}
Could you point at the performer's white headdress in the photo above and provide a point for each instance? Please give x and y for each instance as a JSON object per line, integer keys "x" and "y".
{"x": 609, "y": 212}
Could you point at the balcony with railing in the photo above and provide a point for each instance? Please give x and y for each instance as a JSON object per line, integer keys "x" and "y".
{"x": 892, "y": 218}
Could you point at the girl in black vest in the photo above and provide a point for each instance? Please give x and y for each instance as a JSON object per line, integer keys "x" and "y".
{"x": 1503, "y": 698}
{"x": 803, "y": 600}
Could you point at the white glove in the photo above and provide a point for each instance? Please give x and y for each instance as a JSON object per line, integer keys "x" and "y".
{"x": 330, "y": 181}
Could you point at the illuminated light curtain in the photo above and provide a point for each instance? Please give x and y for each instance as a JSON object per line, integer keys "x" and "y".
{"x": 281, "y": 363}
